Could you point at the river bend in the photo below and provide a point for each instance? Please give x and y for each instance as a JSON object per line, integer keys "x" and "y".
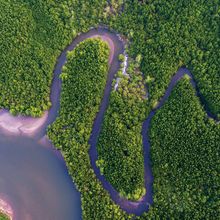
{"x": 24, "y": 152}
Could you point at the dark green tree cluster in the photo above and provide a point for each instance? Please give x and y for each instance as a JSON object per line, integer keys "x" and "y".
{"x": 185, "y": 159}
{"x": 32, "y": 35}
{"x": 84, "y": 78}
{"x": 120, "y": 149}
{"x": 171, "y": 34}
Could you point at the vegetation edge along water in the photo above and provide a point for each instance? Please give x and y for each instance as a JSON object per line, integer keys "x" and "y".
{"x": 63, "y": 76}
{"x": 185, "y": 158}
{"x": 4, "y": 216}
{"x": 155, "y": 33}
{"x": 121, "y": 159}
{"x": 89, "y": 62}
{"x": 142, "y": 203}
{"x": 164, "y": 34}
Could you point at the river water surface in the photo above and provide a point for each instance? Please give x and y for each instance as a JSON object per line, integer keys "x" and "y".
{"x": 35, "y": 182}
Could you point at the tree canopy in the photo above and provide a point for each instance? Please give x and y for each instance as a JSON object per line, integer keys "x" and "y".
{"x": 185, "y": 158}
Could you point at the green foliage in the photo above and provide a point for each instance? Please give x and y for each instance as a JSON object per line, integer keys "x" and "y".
{"x": 138, "y": 59}
{"x": 26, "y": 59}
{"x": 82, "y": 90}
{"x": 3, "y": 216}
{"x": 121, "y": 57}
{"x": 170, "y": 34}
{"x": 120, "y": 149}
{"x": 185, "y": 159}
{"x": 32, "y": 34}
{"x": 113, "y": 7}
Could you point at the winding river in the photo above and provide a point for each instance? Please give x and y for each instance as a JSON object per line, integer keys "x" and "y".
{"x": 33, "y": 177}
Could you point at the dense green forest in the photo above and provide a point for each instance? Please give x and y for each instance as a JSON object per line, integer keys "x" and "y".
{"x": 165, "y": 35}
{"x": 171, "y": 34}
{"x": 185, "y": 158}
{"x": 83, "y": 82}
{"x": 120, "y": 149}
{"x": 32, "y": 34}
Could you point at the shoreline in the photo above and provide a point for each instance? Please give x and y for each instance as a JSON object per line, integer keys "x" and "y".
{"x": 20, "y": 125}
{"x": 29, "y": 126}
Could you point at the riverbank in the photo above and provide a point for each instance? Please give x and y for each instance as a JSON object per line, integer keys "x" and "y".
{"x": 20, "y": 125}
